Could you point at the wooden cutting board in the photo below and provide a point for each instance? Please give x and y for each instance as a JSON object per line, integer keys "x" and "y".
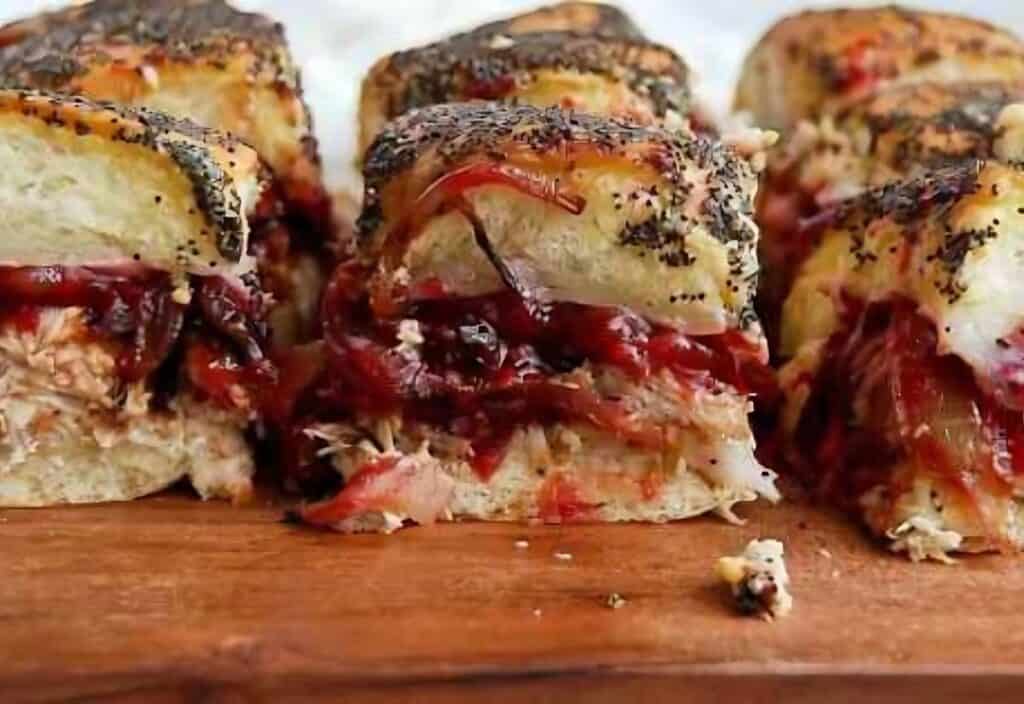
{"x": 172, "y": 600}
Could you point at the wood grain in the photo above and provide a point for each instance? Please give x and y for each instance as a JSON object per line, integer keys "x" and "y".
{"x": 170, "y": 599}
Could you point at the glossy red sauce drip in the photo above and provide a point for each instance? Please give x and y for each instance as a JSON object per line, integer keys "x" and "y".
{"x": 490, "y": 88}
{"x": 922, "y": 406}
{"x": 485, "y": 364}
{"x": 533, "y": 184}
{"x": 560, "y": 501}
{"x": 216, "y": 373}
{"x": 858, "y": 71}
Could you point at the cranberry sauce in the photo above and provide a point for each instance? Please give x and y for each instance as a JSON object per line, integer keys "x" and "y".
{"x": 134, "y": 307}
{"x": 921, "y": 407}
{"x": 480, "y": 367}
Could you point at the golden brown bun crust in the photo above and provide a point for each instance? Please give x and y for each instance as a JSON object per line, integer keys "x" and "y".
{"x": 930, "y": 125}
{"x": 584, "y": 17}
{"x": 222, "y": 173}
{"x": 809, "y": 62}
{"x": 416, "y": 149}
{"x": 901, "y": 132}
{"x": 483, "y": 65}
{"x": 164, "y": 54}
{"x": 947, "y": 241}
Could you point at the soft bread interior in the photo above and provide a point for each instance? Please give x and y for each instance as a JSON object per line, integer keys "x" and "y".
{"x": 89, "y": 456}
{"x": 76, "y": 199}
{"x": 581, "y": 258}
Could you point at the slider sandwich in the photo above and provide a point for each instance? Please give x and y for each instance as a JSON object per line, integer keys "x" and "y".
{"x": 813, "y": 62}
{"x": 550, "y": 317}
{"x": 561, "y": 56}
{"x": 132, "y": 332}
{"x": 892, "y": 135}
{"x": 222, "y": 68}
{"x": 903, "y": 335}
{"x": 891, "y": 221}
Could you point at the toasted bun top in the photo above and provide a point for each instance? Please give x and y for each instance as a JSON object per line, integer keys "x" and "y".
{"x": 584, "y": 17}
{"x": 187, "y": 30}
{"x": 575, "y": 55}
{"x": 620, "y": 214}
{"x": 948, "y": 241}
{"x": 900, "y": 132}
{"x": 200, "y": 59}
{"x": 808, "y": 63}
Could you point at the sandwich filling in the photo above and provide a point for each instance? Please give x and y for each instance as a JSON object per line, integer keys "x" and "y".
{"x": 91, "y": 374}
{"x": 899, "y": 431}
{"x": 902, "y": 385}
{"x": 468, "y": 377}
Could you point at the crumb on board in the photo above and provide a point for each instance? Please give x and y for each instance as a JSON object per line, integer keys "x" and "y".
{"x": 563, "y": 556}
{"x": 824, "y": 552}
{"x": 537, "y": 613}
{"x": 758, "y": 579}
{"x": 924, "y": 538}
{"x": 615, "y": 601}
{"x": 522, "y": 544}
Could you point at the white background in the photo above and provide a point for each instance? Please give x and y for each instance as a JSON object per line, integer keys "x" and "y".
{"x": 336, "y": 40}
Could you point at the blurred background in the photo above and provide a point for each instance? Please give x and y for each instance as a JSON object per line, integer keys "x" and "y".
{"x": 335, "y": 41}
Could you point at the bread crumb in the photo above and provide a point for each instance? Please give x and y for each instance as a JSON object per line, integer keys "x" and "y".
{"x": 825, "y": 553}
{"x": 758, "y": 579}
{"x": 925, "y": 538}
{"x": 564, "y": 556}
{"x": 522, "y": 544}
{"x": 537, "y": 613}
{"x": 615, "y": 601}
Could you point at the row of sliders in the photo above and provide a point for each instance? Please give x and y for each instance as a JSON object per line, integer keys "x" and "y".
{"x": 891, "y": 249}
{"x": 547, "y": 308}
{"x": 151, "y": 269}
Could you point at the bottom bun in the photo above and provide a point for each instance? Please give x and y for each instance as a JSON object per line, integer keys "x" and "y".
{"x": 95, "y": 457}
{"x": 396, "y": 472}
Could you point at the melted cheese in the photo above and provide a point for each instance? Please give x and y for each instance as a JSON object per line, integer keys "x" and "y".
{"x": 974, "y": 303}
